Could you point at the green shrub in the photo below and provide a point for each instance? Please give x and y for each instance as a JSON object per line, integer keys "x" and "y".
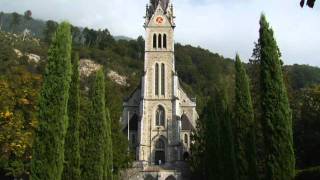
{"x": 312, "y": 173}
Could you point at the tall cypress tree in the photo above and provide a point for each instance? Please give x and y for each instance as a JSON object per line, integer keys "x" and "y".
{"x": 219, "y": 144}
{"x": 93, "y": 158}
{"x": 71, "y": 168}
{"x": 244, "y": 120}
{"x": 212, "y": 133}
{"x": 108, "y": 150}
{"x": 198, "y": 148}
{"x": 276, "y": 113}
{"x": 228, "y": 159}
{"x": 48, "y": 152}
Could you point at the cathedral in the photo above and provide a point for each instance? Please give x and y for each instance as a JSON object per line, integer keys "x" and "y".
{"x": 158, "y": 117}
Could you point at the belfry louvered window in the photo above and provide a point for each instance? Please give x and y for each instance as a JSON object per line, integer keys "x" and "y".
{"x": 159, "y": 41}
{"x": 164, "y": 41}
{"x": 154, "y": 41}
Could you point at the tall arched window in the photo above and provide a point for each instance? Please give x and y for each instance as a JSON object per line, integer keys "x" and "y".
{"x": 186, "y": 138}
{"x": 160, "y": 116}
{"x": 156, "y": 75}
{"x": 159, "y": 41}
{"x": 164, "y": 41}
{"x": 162, "y": 78}
{"x": 154, "y": 41}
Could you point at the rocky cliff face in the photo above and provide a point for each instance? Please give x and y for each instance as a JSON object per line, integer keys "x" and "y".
{"x": 32, "y": 58}
{"x": 117, "y": 78}
{"x": 87, "y": 67}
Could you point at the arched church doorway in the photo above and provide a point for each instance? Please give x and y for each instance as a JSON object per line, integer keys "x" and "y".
{"x": 149, "y": 177}
{"x": 160, "y": 156}
{"x": 170, "y": 178}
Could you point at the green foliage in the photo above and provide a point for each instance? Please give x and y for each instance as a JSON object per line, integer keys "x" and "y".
{"x": 312, "y": 173}
{"x": 244, "y": 125}
{"x": 198, "y": 67}
{"x": 198, "y": 148}
{"x": 307, "y": 129}
{"x": 1, "y": 16}
{"x": 108, "y": 156}
{"x": 16, "y": 18}
{"x": 49, "y": 31}
{"x": 276, "y": 113}
{"x": 15, "y": 142}
{"x": 213, "y": 155}
{"x": 93, "y": 158}
{"x": 302, "y": 76}
{"x": 48, "y": 153}
{"x": 101, "y": 39}
{"x": 25, "y": 22}
{"x": 71, "y": 169}
{"x": 18, "y": 97}
{"x": 212, "y": 134}
{"x": 228, "y": 159}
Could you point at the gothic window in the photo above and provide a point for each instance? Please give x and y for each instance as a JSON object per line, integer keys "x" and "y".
{"x": 160, "y": 145}
{"x": 160, "y": 116}
{"x": 159, "y": 41}
{"x": 186, "y": 138}
{"x": 154, "y": 41}
{"x": 156, "y": 86}
{"x": 164, "y": 41}
{"x": 133, "y": 140}
{"x": 162, "y": 78}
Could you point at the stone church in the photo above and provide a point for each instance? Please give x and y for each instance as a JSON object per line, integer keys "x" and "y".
{"x": 158, "y": 116}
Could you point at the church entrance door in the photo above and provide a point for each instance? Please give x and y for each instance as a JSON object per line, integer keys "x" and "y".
{"x": 160, "y": 157}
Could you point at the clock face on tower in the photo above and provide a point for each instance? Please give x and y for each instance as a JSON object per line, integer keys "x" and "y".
{"x": 159, "y": 20}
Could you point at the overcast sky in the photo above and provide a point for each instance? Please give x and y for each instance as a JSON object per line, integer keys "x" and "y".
{"x": 222, "y": 26}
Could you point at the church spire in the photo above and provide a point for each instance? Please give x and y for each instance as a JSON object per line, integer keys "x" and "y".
{"x": 164, "y": 4}
{"x": 154, "y": 4}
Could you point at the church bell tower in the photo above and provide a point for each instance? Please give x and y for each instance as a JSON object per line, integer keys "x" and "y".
{"x": 158, "y": 116}
{"x": 159, "y": 87}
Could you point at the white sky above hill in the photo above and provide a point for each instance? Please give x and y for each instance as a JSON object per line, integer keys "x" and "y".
{"x": 222, "y": 26}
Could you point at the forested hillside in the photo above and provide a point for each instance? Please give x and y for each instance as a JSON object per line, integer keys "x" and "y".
{"x": 23, "y": 57}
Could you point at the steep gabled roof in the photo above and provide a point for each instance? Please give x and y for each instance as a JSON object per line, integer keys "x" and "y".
{"x": 185, "y": 123}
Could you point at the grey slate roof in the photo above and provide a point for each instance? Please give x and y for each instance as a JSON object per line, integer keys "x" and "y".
{"x": 185, "y": 123}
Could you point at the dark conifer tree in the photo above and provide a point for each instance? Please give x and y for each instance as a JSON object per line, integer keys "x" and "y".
{"x": 244, "y": 121}
{"x": 93, "y": 158}
{"x": 228, "y": 158}
{"x": 48, "y": 152}
{"x": 198, "y": 148}
{"x": 276, "y": 113}
{"x": 71, "y": 168}
{"x": 212, "y": 133}
{"x": 219, "y": 143}
{"x": 108, "y": 150}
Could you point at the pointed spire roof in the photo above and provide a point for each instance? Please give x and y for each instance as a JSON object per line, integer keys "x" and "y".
{"x": 164, "y": 4}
